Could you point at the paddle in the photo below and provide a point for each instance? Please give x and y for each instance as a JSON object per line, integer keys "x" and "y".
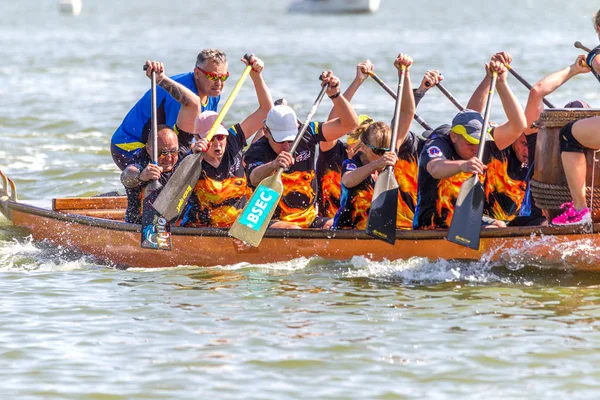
{"x": 385, "y": 87}
{"x": 579, "y": 45}
{"x": 526, "y": 84}
{"x": 156, "y": 230}
{"x": 448, "y": 95}
{"x": 465, "y": 228}
{"x": 384, "y": 206}
{"x": 178, "y": 189}
{"x": 251, "y": 224}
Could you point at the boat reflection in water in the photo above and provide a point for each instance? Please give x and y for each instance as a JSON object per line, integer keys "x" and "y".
{"x": 334, "y": 6}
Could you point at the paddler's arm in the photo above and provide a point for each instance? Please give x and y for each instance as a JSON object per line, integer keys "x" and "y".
{"x": 254, "y": 121}
{"x": 283, "y": 160}
{"x": 362, "y": 71}
{"x": 131, "y": 176}
{"x": 547, "y": 85}
{"x": 508, "y": 132}
{"x": 408, "y": 107}
{"x": 190, "y": 102}
{"x": 347, "y": 120}
{"x": 479, "y": 96}
{"x": 442, "y": 168}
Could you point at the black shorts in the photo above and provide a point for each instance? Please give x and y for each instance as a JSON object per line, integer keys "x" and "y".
{"x": 568, "y": 143}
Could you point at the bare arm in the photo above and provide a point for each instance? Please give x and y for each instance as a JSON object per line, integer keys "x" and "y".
{"x": 442, "y": 168}
{"x": 506, "y": 133}
{"x": 351, "y": 179}
{"x": 407, "y": 108}
{"x": 547, "y": 85}
{"x": 347, "y": 120}
{"x": 261, "y": 172}
{"x": 254, "y": 121}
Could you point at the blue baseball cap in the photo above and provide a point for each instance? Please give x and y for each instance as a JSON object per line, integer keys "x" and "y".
{"x": 468, "y": 124}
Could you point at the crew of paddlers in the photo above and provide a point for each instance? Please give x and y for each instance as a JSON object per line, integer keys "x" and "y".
{"x": 329, "y": 179}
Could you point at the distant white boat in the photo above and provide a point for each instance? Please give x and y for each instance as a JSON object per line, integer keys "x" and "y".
{"x": 334, "y": 6}
{"x": 72, "y": 7}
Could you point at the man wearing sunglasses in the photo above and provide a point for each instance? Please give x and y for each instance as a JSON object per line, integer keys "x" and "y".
{"x": 297, "y": 207}
{"x": 206, "y": 82}
{"x": 141, "y": 171}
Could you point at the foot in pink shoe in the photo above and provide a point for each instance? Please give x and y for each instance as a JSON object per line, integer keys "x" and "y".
{"x": 571, "y": 216}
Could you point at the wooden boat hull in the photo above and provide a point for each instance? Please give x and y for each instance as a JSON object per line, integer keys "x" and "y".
{"x": 119, "y": 243}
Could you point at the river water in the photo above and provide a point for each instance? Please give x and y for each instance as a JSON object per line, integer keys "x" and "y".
{"x": 71, "y": 328}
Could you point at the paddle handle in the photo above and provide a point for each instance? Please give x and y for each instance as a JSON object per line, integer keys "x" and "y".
{"x": 579, "y": 45}
{"x": 526, "y": 84}
{"x": 486, "y": 116}
{"x": 401, "y": 77}
{"x": 385, "y": 87}
{"x": 229, "y": 101}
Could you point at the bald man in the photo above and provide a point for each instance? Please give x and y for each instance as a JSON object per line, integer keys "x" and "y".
{"x": 141, "y": 172}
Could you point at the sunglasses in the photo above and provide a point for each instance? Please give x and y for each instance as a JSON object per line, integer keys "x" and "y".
{"x": 211, "y": 76}
{"x": 219, "y": 138}
{"x": 379, "y": 151}
{"x": 165, "y": 153}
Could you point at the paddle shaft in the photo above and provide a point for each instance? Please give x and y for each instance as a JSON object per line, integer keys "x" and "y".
{"x": 526, "y": 84}
{"x": 385, "y": 87}
{"x": 397, "y": 110}
{"x": 486, "y": 116}
{"x": 449, "y": 96}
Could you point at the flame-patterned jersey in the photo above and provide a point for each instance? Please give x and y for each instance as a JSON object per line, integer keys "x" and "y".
{"x": 437, "y": 197}
{"x": 505, "y": 183}
{"x": 141, "y": 159}
{"x": 329, "y": 169}
{"x": 355, "y": 202}
{"x": 221, "y": 192}
{"x": 298, "y": 202}
{"x": 406, "y": 172}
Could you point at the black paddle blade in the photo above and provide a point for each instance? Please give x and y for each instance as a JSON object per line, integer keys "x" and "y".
{"x": 156, "y": 230}
{"x": 382, "y": 216}
{"x": 177, "y": 191}
{"x": 465, "y": 228}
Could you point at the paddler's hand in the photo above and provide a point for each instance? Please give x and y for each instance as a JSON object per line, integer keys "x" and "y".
{"x": 500, "y": 69}
{"x": 201, "y": 146}
{"x": 363, "y": 69}
{"x": 580, "y": 66}
{"x": 388, "y": 158}
{"x": 151, "y": 173}
{"x": 333, "y": 88}
{"x": 158, "y": 69}
{"x": 284, "y": 160}
{"x": 403, "y": 60}
{"x": 473, "y": 166}
{"x": 503, "y": 56}
{"x": 257, "y": 65}
{"x": 430, "y": 79}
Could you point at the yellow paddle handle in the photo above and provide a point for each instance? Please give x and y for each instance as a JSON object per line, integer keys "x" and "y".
{"x": 227, "y": 104}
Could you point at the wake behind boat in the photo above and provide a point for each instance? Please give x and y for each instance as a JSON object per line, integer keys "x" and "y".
{"x": 334, "y": 6}
{"x": 94, "y": 225}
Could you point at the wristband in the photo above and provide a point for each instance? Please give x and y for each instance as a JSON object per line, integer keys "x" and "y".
{"x": 335, "y": 96}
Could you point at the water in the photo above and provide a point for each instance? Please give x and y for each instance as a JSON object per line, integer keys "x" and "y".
{"x": 73, "y": 328}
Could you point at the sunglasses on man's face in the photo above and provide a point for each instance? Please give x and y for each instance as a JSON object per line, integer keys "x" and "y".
{"x": 211, "y": 76}
{"x": 379, "y": 151}
{"x": 165, "y": 153}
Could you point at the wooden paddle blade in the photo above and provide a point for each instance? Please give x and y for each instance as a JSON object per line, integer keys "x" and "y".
{"x": 251, "y": 224}
{"x": 156, "y": 230}
{"x": 465, "y": 227}
{"x": 382, "y": 216}
{"x": 174, "y": 196}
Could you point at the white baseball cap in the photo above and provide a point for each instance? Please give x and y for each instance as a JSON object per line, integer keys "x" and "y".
{"x": 282, "y": 122}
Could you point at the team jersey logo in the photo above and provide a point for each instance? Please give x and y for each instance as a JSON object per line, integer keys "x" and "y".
{"x": 303, "y": 156}
{"x": 434, "y": 152}
{"x": 351, "y": 166}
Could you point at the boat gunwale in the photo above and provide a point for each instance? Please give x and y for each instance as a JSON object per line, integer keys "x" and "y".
{"x": 403, "y": 235}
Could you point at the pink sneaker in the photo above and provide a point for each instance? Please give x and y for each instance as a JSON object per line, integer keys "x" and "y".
{"x": 572, "y": 216}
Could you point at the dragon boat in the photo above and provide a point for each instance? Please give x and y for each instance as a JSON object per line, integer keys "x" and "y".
{"x": 95, "y": 226}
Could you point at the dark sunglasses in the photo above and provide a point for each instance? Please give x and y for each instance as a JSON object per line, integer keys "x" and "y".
{"x": 165, "y": 153}
{"x": 379, "y": 151}
{"x": 219, "y": 138}
{"x": 211, "y": 76}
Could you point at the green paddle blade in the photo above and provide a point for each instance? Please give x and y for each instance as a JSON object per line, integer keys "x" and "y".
{"x": 382, "y": 216}
{"x": 465, "y": 228}
{"x": 156, "y": 230}
{"x": 174, "y": 196}
{"x": 251, "y": 224}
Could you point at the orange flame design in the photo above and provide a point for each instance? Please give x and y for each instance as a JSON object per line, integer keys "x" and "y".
{"x": 211, "y": 195}
{"x": 448, "y": 190}
{"x": 361, "y": 204}
{"x": 406, "y": 173}
{"x": 330, "y": 193}
{"x": 298, "y": 182}
{"x": 498, "y": 181}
